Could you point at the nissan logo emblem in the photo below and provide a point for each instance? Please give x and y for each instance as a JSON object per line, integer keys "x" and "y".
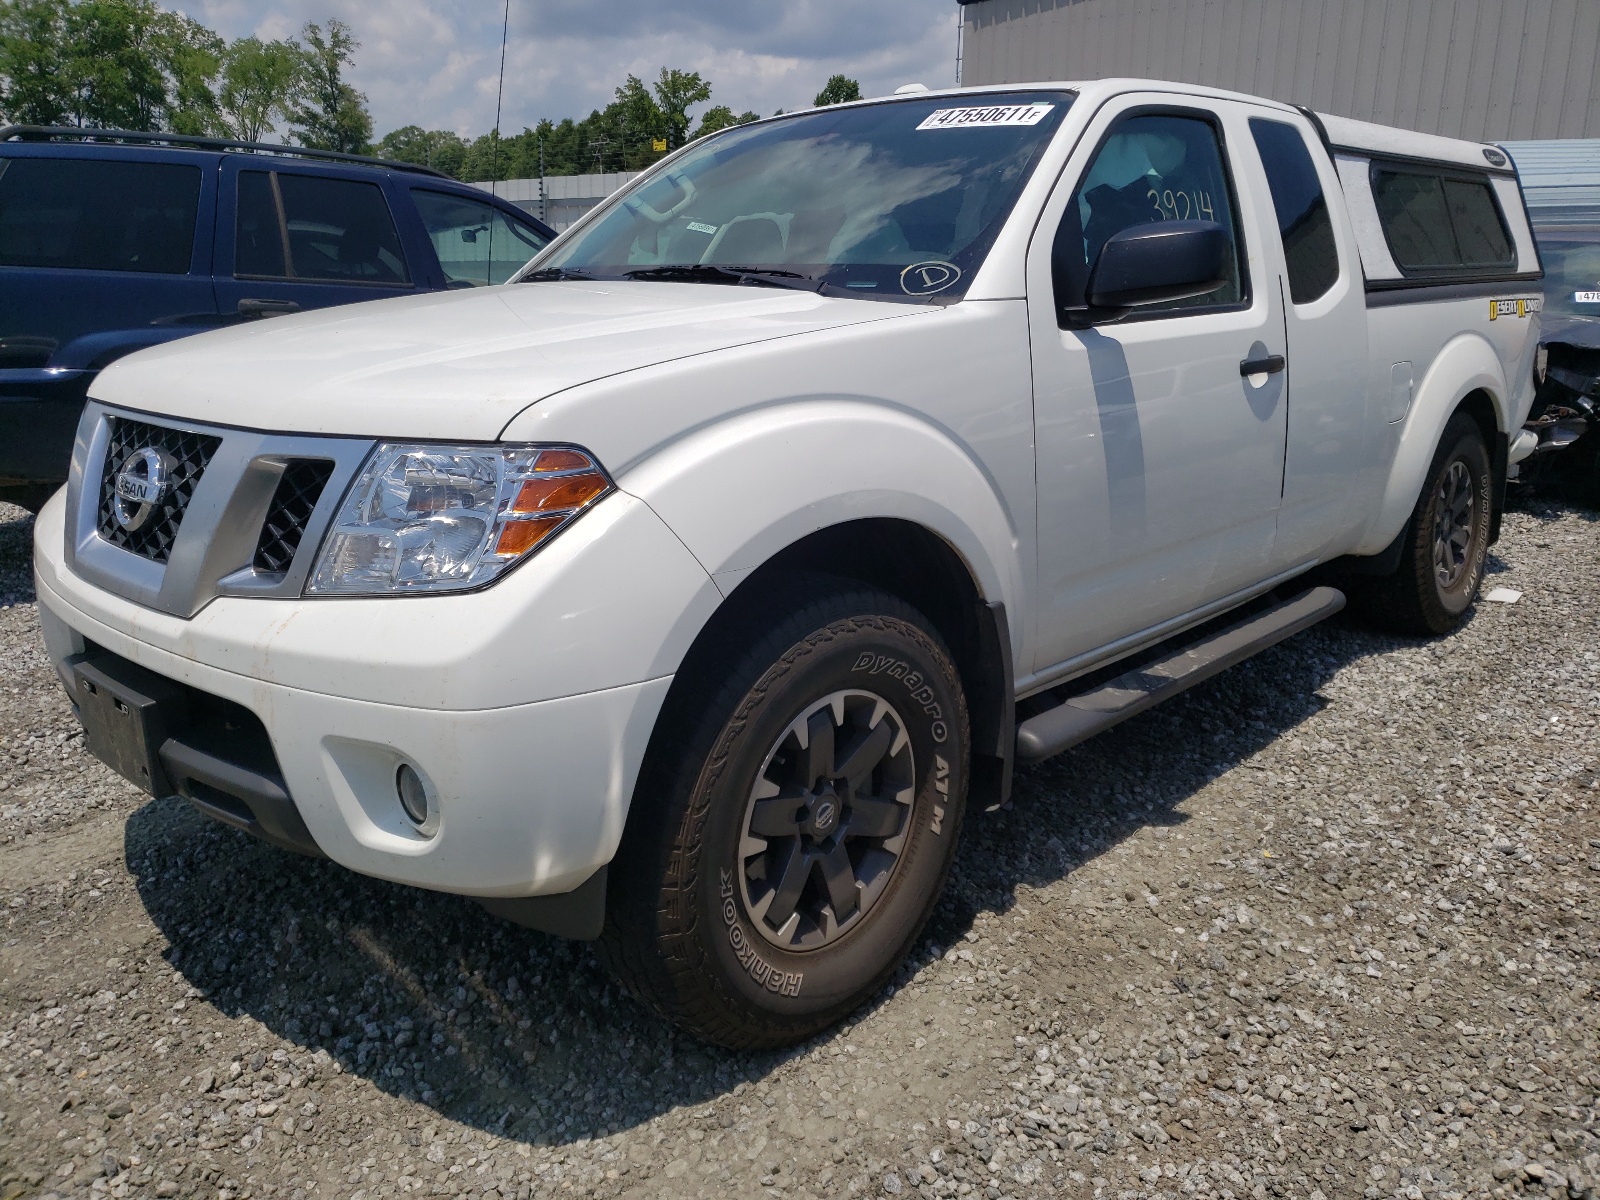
{"x": 825, "y": 815}
{"x": 141, "y": 484}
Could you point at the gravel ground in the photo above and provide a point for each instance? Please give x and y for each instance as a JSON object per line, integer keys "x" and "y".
{"x": 1322, "y": 928}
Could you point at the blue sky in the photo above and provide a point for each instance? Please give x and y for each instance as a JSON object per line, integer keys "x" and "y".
{"x": 434, "y": 62}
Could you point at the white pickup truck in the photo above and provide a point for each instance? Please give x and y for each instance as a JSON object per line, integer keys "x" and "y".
{"x": 684, "y": 592}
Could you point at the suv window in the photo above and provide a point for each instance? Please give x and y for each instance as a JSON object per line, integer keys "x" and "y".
{"x": 1438, "y": 222}
{"x": 98, "y": 215}
{"x": 1309, "y": 249}
{"x": 477, "y": 244}
{"x": 1153, "y": 167}
{"x": 312, "y": 227}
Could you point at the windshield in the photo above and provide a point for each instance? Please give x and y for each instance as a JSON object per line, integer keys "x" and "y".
{"x": 1571, "y": 257}
{"x": 898, "y": 200}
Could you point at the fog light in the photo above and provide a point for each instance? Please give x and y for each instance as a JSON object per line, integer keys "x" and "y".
{"x": 413, "y": 796}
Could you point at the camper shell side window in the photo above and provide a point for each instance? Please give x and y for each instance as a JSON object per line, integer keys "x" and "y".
{"x": 1441, "y": 221}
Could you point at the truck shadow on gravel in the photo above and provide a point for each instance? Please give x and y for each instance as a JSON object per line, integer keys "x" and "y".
{"x": 503, "y": 1029}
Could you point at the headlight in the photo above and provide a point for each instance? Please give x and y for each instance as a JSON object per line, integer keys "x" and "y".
{"x": 423, "y": 518}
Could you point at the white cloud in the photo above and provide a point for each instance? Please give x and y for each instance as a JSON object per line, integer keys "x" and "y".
{"x": 435, "y": 63}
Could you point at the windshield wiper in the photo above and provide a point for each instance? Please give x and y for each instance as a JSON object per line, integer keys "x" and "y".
{"x": 707, "y": 273}
{"x": 546, "y": 274}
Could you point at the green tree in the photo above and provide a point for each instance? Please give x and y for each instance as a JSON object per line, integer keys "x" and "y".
{"x": 124, "y": 64}
{"x": 437, "y": 148}
{"x": 34, "y": 88}
{"x": 840, "y": 89}
{"x": 261, "y": 82}
{"x": 676, "y": 91}
{"x": 620, "y": 137}
{"x": 190, "y": 55}
{"x": 330, "y": 114}
{"x": 634, "y": 117}
{"x": 719, "y": 117}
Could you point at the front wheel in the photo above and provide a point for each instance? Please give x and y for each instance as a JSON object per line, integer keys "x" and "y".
{"x": 797, "y": 819}
{"x": 1446, "y": 542}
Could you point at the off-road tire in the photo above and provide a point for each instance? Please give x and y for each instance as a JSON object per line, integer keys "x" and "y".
{"x": 680, "y": 934}
{"x": 1414, "y": 599}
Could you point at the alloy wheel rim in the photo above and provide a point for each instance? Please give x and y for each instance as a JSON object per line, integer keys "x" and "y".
{"x": 827, "y": 820}
{"x": 1455, "y": 511}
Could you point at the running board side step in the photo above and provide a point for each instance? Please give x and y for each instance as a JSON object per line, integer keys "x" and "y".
{"x": 1095, "y": 711}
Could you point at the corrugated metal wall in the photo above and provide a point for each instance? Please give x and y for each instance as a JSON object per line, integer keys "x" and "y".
{"x": 1559, "y": 175}
{"x": 1481, "y": 69}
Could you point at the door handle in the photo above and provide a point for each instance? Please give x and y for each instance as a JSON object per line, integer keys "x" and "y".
{"x": 1270, "y": 365}
{"x": 252, "y": 309}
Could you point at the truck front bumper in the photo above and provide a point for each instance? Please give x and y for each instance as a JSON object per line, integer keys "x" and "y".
{"x": 530, "y": 799}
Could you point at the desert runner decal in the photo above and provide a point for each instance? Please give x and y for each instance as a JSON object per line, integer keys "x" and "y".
{"x": 764, "y": 973}
{"x": 1524, "y": 306}
{"x": 994, "y": 117}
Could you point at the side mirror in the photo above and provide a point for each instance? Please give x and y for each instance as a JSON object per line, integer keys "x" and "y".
{"x": 1159, "y": 263}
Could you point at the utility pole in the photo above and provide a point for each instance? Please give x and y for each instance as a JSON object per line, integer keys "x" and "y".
{"x": 499, "y": 95}
{"x": 543, "y": 208}
{"x": 961, "y": 24}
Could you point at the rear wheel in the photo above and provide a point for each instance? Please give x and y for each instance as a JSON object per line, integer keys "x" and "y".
{"x": 797, "y": 819}
{"x": 1446, "y": 542}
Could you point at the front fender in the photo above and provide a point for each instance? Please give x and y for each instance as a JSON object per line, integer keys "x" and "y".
{"x": 1466, "y": 364}
{"x": 740, "y": 491}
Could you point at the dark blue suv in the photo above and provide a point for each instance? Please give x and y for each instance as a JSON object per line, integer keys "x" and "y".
{"x": 113, "y": 241}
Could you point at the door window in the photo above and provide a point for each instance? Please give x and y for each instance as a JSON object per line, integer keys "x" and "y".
{"x": 311, "y": 227}
{"x": 1150, "y": 168}
{"x": 1309, "y": 248}
{"x": 477, "y": 243}
{"x": 98, "y": 215}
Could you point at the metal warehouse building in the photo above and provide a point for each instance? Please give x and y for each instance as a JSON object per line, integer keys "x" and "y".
{"x": 1481, "y": 69}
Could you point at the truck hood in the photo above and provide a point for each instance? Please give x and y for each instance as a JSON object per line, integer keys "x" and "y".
{"x": 455, "y": 365}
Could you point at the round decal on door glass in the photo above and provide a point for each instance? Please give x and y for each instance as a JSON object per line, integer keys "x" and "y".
{"x": 926, "y": 278}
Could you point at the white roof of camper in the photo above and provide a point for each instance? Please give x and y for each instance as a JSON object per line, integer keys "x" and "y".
{"x": 1362, "y": 137}
{"x": 1367, "y": 138}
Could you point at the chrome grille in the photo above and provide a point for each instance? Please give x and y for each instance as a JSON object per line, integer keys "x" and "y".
{"x": 190, "y": 453}
{"x": 247, "y": 501}
{"x": 298, "y": 492}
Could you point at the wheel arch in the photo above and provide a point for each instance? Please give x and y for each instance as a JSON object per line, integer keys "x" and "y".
{"x": 1466, "y": 376}
{"x": 921, "y": 568}
{"x": 912, "y": 562}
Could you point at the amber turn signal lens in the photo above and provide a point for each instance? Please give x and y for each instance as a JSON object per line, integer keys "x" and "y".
{"x": 563, "y": 492}
{"x": 562, "y": 460}
{"x": 518, "y": 537}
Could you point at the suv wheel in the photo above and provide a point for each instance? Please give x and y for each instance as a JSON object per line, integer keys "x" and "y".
{"x": 796, "y": 818}
{"x": 1446, "y": 541}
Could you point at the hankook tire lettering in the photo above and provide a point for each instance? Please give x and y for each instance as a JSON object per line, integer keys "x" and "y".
{"x": 763, "y": 972}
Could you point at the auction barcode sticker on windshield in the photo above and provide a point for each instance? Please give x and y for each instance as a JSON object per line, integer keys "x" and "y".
{"x": 996, "y": 115}
{"x": 1586, "y": 297}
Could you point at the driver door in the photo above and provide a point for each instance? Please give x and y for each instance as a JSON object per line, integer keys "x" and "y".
{"x": 1160, "y": 463}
